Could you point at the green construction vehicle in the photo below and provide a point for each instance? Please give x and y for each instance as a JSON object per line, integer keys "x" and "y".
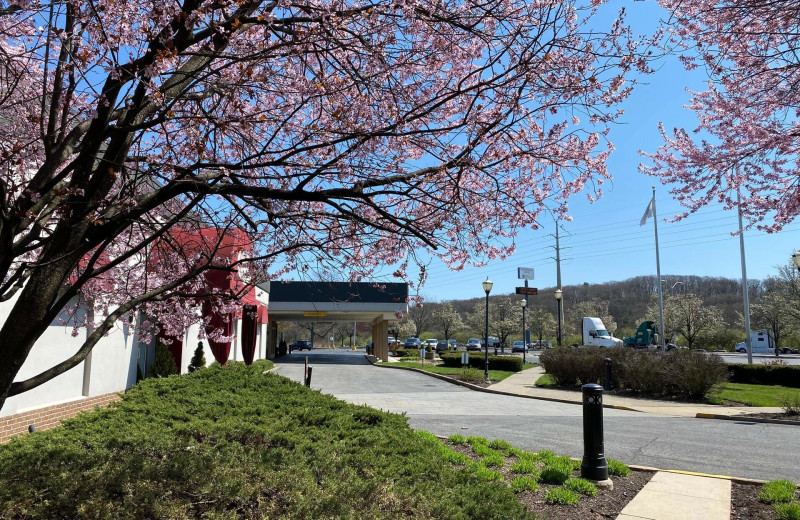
{"x": 646, "y": 336}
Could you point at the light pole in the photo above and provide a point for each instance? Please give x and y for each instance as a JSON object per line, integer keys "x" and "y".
{"x": 558, "y": 295}
{"x": 523, "y": 304}
{"x": 487, "y": 287}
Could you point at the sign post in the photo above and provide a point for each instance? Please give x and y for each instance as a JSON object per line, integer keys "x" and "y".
{"x": 525, "y": 273}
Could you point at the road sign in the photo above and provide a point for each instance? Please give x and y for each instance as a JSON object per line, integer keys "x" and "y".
{"x": 525, "y": 273}
{"x": 527, "y": 290}
{"x": 315, "y": 314}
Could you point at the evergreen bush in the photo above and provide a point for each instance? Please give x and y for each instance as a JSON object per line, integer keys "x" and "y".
{"x": 163, "y": 363}
{"x": 198, "y": 359}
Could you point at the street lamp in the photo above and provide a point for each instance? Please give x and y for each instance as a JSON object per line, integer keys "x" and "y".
{"x": 523, "y": 304}
{"x": 558, "y": 295}
{"x": 487, "y": 287}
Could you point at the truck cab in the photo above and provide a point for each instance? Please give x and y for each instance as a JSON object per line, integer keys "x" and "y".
{"x": 594, "y": 334}
{"x": 761, "y": 341}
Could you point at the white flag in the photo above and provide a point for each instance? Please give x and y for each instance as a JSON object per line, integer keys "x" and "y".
{"x": 649, "y": 211}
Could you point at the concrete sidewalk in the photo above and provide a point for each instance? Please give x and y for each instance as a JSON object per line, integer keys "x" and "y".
{"x": 677, "y": 496}
{"x": 524, "y": 383}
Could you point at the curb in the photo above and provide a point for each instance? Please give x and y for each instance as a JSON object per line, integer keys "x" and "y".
{"x": 745, "y": 417}
{"x": 498, "y": 392}
{"x": 699, "y": 415}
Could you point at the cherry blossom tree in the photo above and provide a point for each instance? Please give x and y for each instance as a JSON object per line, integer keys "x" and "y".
{"x": 748, "y": 137}
{"x": 332, "y": 134}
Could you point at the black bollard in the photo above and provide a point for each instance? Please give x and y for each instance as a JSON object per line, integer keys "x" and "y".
{"x": 308, "y": 376}
{"x": 607, "y": 380}
{"x": 593, "y": 465}
{"x": 31, "y": 428}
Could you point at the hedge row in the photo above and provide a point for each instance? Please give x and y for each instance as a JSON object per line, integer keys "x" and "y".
{"x": 788, "y": 375}
{"x": 508, "y": 363}
{"x": 406, "y": 352}
{"x": 680, "y": 373}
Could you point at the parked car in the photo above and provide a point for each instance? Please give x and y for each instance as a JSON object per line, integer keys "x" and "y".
{"x": 442, "y": 346}
{"x": 301, "y": 344}
{"x": 452, "y": 344}
{"x": 518, "y": 346}
{"x": 431, "y": 343}
{"x": 473, "y": 344}
{"x": 412, "y": 343}
{"x": 787, "y": 350}
{"x": 539, "y": 345}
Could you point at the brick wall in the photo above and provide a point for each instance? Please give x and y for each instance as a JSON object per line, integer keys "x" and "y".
{"x": 49, "y": 417}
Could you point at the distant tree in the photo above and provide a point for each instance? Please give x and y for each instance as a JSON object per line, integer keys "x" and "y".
{"x": 163, "y": 362}
{"x": 687, "y": 315}
{"x": 505, "y": 317}
{"x": 342, "y": 331}
{"x": 406, "y": 328}
{"x": 540, "y": 322}
{"x": 775, "y": 311}
{"x": 421, "y": 315}
{"x": 595, "y": 308}
{"x": 447, "y": 319}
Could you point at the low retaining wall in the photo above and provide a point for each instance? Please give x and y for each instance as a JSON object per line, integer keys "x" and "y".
{"x": 50, "y": 416}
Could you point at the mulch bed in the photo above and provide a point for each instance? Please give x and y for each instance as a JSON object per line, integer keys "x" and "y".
{"x": 745, "y": 504}
{"x": 606, "y": 505}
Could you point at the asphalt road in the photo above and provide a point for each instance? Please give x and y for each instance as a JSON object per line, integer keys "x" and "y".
{"x": 735, "y": 448}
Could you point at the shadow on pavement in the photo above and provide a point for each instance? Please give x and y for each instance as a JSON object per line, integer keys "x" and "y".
{"x": 324, "y": 357}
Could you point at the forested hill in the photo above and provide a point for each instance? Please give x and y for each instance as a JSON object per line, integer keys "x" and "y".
{"x": 628, "y": 299}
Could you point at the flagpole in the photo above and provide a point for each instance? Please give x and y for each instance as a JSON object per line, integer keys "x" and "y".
{"x": 658, "y": 278}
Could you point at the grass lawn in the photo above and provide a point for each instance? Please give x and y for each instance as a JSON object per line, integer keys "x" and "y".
{"x": 494, "y": 375}
{"x": 754, "y": 395}
{"x": 750, "y": 395}
{"x": 236, "y": 442}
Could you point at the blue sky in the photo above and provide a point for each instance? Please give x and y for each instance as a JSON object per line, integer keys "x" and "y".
{"x": 605, "y": 242}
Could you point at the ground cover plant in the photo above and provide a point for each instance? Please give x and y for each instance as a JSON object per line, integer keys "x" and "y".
{"x": 548, "y": 483}
{"x": 235, "y": 442}
{"x": 782, "y": 494}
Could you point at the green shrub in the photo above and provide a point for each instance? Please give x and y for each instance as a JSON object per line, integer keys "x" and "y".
{"x": 562, "y": 496}
{"x": 472, "y": 441}
{"x": 582, "y": 486}
{"x": 556, "y": 472}
{"x": 482, "y": 450}
{"x": 686, "y": 374}
{"x": 407, "y": 352}
{"x": 777, "y": 491}
{"x": 521, "y": 484}
{"x": 525, "y": 466}
{"x": 789, "y": 511}
{"x": 494, "y": 460}
{"x": 790, "y": 405}
{"x": 457, "y": 439}
{"x": 501, "y": 445}
{"x": 472, "y": 375}
{"x": 617, "y": 468}
{"x": 198, "y": 359}
{"x": 507, "y": 363}
{"x": 163, "y": 363}
{"x": 484, "y": 474}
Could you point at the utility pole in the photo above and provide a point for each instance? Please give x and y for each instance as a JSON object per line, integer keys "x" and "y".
{"x": 559, "y": 295}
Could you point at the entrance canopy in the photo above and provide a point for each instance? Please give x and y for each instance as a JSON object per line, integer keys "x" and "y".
{"x": 336, "y": 301}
